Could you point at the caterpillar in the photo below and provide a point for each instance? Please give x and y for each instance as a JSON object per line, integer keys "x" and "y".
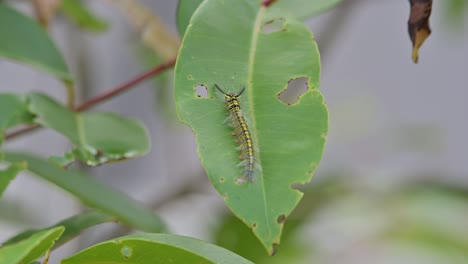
{"x": 241, "y": 131}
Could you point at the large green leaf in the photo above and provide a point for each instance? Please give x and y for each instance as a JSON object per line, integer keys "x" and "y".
{"x": 301, "y": 9}
{"x": 7, "y": 175}
{"x": 73, "y": 227}
{"x": 22, "y": 39}
{"x": 98, "y": 137}
{"x": 30, "y": 249}
{"x": 93, "y": 193}
{"x": 155, "y": 248}
{"x": 225, "y": 45}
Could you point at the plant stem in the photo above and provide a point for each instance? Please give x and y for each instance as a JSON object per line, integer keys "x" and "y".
{"x": 104, "y": 96}
{"x": 125, "y": 86}
{"x": 266, "y": 3}
{"x": 70, "y": 95}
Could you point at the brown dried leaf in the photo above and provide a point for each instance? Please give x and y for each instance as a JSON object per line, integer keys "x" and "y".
{"x": 418, "y": 24}
{"x": 154, "y": 33}
{"x": 45, "y": 10}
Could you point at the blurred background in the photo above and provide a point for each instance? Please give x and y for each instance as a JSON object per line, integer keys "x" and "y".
{"x": 393, "y": 183}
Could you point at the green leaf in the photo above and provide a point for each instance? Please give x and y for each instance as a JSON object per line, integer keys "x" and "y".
{"x": 185, "y": 9}
{"x": 82, "y": 16}
{"x": 73, "y": 227}
{"x": 7, "y": 175}
{"x": 13, "y": 111}
{"x": 30, "y": 249}
{"x": 98, "y": 137}
{"x": 225, "y": 45}
{"x": 93, "y": 193}
{"x": 25, "y": 41}
{"x": 235, "y": 236}
{"x": 301, "y": 9}
{"x": 155, "y": 248}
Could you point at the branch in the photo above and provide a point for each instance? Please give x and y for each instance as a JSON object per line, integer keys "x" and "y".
{"x": 267, "y": 3}
{"x": 104, "y": 96}
{"x": 125, "y": 86}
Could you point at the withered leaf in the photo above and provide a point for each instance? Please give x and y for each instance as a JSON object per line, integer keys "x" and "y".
{"x": 418, "y": 24}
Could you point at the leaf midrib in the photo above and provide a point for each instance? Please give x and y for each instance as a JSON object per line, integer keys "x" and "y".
{"x": 255, "y": 34}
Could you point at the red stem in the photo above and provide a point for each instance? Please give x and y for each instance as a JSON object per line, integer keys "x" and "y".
{"x": 266, "y": 3}
{"x": 125, "y": 86}
{"x": 104, "y": 96}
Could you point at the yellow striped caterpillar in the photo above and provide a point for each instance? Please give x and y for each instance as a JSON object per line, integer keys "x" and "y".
{"x": 241, "y": 132}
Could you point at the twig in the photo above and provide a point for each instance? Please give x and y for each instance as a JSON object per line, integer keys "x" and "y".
{"x": 266, "y": 3}
{"x": 125, "y": 86}
{"x": 104, "y": 96}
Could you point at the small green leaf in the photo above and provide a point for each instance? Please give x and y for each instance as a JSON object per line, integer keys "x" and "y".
{"x": 73, "y": 227}
{"x": 23, "y": 40}
{"x": 301, "y": 9}
{"x": 98, "y": 137}
{"x": 93, "y": 193}
{"x": 13, "y": 111}
{"x": 226, "y": 45}
{"x": 155, "y": 248}
{"x": 30, "y": 249}
{"x": 79, "y": 13}
{"x": 7, "y": 175}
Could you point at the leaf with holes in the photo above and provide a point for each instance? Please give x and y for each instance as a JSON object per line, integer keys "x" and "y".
{"x": 25, "y": 41}
{"x": 31, "y": 248}
{"x": 155, "y": 248}
{"x": 301, "y": 9}
{"x": 98, "y": 137}
{"x": 226, "y": 45}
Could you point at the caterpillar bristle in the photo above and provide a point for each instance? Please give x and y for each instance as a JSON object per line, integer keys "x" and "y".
{"x": 241, "y": 132}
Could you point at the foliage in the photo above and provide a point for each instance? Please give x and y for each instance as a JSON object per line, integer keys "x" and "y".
{"x": 260, "y": 46}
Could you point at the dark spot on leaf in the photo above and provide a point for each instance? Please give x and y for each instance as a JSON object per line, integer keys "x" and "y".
{"x": 221, "y": 179}
{"x": 254, "y": 225}
{"x": 273, "y": 250}
{"x": 418, "y": 24}
{"x": 189, "y": 77}
{"x": 281, "y": 219}
{"x": 126, "y": 251}
{"x": 273, "y": 25}
{"x": 201, "y": 91}
{"x": 295, "y": 89}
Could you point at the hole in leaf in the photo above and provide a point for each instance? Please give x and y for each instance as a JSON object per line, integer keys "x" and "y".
{"x": 126, "y": 252}
{"x": 281, "y": 219}
{"x": 240, "y": 180}
{"x": 273, "y": 25}
{"x": 201, "y": 91}
{"x": 296, "y": 88}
